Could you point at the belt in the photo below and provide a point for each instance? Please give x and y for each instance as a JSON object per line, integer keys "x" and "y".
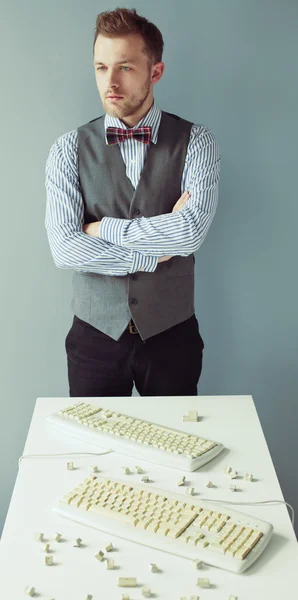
{"x": 131, "y": 327}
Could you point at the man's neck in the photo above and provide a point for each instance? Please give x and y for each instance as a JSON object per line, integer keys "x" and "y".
{"x": 133, "y": 121}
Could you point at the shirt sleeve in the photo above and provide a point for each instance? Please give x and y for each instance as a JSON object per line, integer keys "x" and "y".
{"x": 182, "y": 232}
{"x": 71, "y": 248}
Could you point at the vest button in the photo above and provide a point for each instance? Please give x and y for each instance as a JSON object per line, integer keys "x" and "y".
{"x": 135, "y": 211}
{"x": 134, "y": 276}
{"x": 133, "y": 301}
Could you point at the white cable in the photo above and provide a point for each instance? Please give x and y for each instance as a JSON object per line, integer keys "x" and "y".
{"x": 257, "y": 502}
{"x": 67, "y": 454}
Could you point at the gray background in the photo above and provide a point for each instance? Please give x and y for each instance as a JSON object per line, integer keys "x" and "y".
{"x": 230, "y": 65}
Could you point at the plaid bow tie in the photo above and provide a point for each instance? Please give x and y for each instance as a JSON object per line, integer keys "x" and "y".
{"x": 115, "y": 134}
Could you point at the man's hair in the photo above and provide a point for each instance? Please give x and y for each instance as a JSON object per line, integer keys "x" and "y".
{"x": 123, "y": 21}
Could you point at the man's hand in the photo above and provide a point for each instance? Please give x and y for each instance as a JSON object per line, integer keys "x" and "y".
{"x": 182, "y": 201}
{"x": 163, "y": 258}
{"x": 178, "y": 206}
{"x": 92, "y": 229}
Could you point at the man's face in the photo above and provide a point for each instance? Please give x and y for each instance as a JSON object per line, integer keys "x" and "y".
{"x": 122, "y": 69}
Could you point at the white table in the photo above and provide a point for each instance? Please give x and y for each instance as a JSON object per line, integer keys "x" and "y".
{"x": 231, "y": 420}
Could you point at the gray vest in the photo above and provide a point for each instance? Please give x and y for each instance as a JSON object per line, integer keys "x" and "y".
{"x": 155, "y": 301}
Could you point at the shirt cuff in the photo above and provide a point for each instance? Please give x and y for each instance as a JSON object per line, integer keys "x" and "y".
{"x": 110, "y": 230}
{"x": 143, "y": 263}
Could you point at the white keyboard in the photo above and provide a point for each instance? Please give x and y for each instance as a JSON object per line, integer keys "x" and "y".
{"x": 168, "y": 521}
{"x": 134, "y": 437}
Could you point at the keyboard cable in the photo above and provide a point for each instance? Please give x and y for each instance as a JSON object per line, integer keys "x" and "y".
{"x": 64, "y": 455}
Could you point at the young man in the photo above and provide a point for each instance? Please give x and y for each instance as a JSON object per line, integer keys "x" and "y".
{"x": 130, "y": 198}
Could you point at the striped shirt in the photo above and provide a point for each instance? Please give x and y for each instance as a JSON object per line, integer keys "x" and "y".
{"x": 129, "y": 245}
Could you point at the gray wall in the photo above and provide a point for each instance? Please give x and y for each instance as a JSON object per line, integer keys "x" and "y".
{"x": 230, "y": 65}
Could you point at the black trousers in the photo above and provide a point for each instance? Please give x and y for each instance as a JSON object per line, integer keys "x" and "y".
{"x": 167, "y": 364}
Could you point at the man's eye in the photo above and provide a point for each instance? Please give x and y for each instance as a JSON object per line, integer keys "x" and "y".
{"x": 99, "y": 68}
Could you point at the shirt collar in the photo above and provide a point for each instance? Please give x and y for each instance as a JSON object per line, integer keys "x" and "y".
{"x": 151, "y": 119}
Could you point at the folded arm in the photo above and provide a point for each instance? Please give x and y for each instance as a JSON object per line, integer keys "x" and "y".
{"x": 70, "y": 246}
{"x": 181, "y": 232}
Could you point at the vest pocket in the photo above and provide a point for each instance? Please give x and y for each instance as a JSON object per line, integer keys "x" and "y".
{"x": 179, "y": 266}
{"x": 181, "y": 275}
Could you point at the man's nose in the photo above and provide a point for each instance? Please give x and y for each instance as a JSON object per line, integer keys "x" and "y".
{"x": 112, "y": 81}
